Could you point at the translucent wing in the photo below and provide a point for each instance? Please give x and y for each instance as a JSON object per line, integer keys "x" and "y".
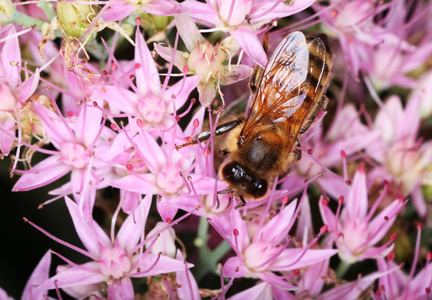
{"x": 292, "y": 85}
{"x": 277, "y": 95}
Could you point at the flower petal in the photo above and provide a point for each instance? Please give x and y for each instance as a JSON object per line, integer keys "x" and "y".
{"x": 44, "y": 173}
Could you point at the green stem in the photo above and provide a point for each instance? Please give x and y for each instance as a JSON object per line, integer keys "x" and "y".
{"x": 342, "y": 268}
{"x": 48, "y": 9}
{"x": 208, "y": 259}
{"x": 26, "y": 21}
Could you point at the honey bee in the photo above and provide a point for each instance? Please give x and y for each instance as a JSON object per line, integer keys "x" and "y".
{"x": 288, "y": 94}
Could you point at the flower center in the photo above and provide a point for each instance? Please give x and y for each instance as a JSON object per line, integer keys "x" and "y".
{"x": 256, "y": 255}
{"x": 207, "y": 61}
{"x": 169, "y": 179}
{"x": 114, "y": 262}
{"x": 74, "y": 155}
{"x": 355, "y": 234}
{"x": 153, "y": 109}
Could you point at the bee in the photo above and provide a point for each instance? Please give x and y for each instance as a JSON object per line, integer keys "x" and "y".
{"x": 287, "y": 95}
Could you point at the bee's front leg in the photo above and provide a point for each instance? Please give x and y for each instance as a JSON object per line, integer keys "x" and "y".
{"x": 205, "y": 135}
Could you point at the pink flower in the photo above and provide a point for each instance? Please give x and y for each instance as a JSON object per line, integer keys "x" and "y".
{"x": 243, "y": 19}
{"x": 78, "y": 141}
{"x": 115, "y": 260}
{"x": 15, "y": 113}
{"x": 402, "y": 159}
{"x": 398, "y": 285}
{"x": 354, "y": 231}
{"x": 149, "y": 100}
{"x": 167, "y": 172}
{"x": 39, "y": 275}
{"x": 346, "y": 137}
{"x": 212, "y": 63}
{"x": 261, "y": 248}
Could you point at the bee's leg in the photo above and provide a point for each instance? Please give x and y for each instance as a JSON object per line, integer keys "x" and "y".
{"x": 255, "y": 78}
{"x": 205, "y": 135}
{"x": 297, "y": 154}
{"x": 243, "y": 202}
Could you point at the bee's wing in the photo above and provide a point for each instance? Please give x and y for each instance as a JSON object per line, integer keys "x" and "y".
{"x": 285, "y": 72}
{"x": 289, "y": 86}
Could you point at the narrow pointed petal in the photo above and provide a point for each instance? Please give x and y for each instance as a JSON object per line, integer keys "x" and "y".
{"x": 121, "y": 289}
{"x": 188, "y": 286}
{"x": 10, "y": 53}
{"x": 133, "y": 227}
{"x": 88, "y": 125}
{"x": 147, "y": 75}
{"x": 164, "y": 265}
{"x": 259, "y": 291}
{"x": 44, "y": 173}
{"x": 118, "y": 10}
{"x": 250, "y": 43}
{"x": 6, "y": 140}
{"x": 188, "y": 31}
{"x": 182, "y": 89}
{"x": 312, "y": 256}
{"x": 28, "y": 87}
{"x": 85, "y": 274}
{"x": 357, "y": 201}
{"x": 39, "y": 275}
{"x": 89, "y": 232}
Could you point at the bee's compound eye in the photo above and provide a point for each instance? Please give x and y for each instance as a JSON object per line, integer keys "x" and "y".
{"x": 260, "y": 187}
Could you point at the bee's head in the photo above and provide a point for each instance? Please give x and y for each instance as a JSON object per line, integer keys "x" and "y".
{"x": 243, "y": 183}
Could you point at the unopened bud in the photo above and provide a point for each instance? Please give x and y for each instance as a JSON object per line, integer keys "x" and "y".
{"x": 74, "y": 17}
{"x": 7, "y": 11}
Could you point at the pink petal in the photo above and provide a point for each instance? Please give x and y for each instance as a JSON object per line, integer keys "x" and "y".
{"x": 10, "y": 52}
{"x": 166, "y": 53}
{"x": 39, "y": 275}
{"x": 259, "y": 291}
{"x": 189, "y": 287}
{"x": 81, "y": 275}
{"x": 312, "y": 256}
{"x": 164, "y": 8}
{"x": 119, "y": 97}
{"x": 166, "y": 210}
{"x": 313, "y": 278}
{"x": 133, "y": 227}
{"x": 202, "y": 12}
{"x": 129, "y": 201}
{"x": 267, "y": 12}
{"x": 277, "y": 228}
{"x": 182, "y": 89}
{"x": 90, "y": 233}
{"x": 56, "y": 129}
{"x": 234, "y": 267}
{"x": 188, "y": 31}
{"x": 44, "y": 173}
{"x": 118, "y": 10}
{"x": 356, "y": 203}
{"x": 121, "y": 289}
{"x": 26, "y": 89}
{"x": 384, "y": 220}
{"x": 134, "y": 184}
{"x": 6, "y": 140}
{"x": 164, "y": 265}
{"x": 147, "y": 75}
{"x": 249, "y": 42}
{"x": 88, "y": 125}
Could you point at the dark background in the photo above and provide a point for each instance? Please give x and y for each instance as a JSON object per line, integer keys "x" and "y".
{"x": 21, "y": 245}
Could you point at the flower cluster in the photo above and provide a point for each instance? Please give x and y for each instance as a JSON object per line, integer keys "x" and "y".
{"x": 102, "y": 102}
